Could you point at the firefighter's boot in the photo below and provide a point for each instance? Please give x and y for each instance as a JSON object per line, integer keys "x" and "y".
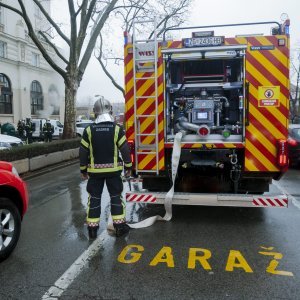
{"x": 93, "y": 230}
{"x": 121, "y": 229}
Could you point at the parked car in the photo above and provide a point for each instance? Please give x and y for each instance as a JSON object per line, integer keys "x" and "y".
{"x": 81, "y": 125}
{"x": 294, "y": 144}
{"x": 119, "y": 119}
{"x": 7, "y": 142}
{"x": 13, "y": 205}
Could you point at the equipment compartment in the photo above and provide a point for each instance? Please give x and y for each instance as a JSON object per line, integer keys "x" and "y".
{"x": 205, "y": 96}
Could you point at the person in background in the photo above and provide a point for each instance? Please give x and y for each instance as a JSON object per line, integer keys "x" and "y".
{"x": 29, "y": 129}
{"x": 21, "y": 129}
{"x": 48, "y": 130}
{"x": 100, "y": 163}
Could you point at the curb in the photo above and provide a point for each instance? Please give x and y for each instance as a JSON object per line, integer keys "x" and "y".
{"x": 30, "y": 175}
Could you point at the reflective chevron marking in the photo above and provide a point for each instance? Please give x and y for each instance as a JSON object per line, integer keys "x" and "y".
{"x": 265, "y": 68}
{"x": 140, "y": 198}
{"x": 270, "y": 202}
{"x": 267, "y": 124}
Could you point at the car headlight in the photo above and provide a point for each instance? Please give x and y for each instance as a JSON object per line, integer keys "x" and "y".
{"x": 14, "y": 171}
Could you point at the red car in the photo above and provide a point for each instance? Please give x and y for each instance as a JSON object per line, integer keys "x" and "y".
{"x": 13, "y": 205}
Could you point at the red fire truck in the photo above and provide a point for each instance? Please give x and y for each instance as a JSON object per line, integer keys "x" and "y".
{"x": 228, "y": 96}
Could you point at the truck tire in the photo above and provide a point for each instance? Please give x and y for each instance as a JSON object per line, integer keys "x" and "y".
{"x": 10, "y": 227}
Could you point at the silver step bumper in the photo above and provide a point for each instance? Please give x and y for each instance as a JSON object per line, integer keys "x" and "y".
{"x": 233, "y": 200}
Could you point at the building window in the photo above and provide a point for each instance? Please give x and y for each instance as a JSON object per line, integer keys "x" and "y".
{"x": 35, "y": 59}
{"x": 6, "y": 95}
{"x": 37, "y": 99}
{"x": 3, "y": 47}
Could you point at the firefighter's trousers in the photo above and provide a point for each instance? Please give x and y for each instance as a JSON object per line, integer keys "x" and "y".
{"x": 48, "y": 137}
{"x": 115, "y": 187}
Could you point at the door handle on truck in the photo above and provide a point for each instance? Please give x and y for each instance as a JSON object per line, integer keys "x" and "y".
{"x": 247, "y": 104}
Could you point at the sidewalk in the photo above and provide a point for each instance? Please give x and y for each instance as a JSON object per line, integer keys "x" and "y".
{"x": 29, "y": 175}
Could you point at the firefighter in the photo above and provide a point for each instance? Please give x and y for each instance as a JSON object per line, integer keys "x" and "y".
{"x": 21, "y": 129}
{"x": 29, "y": 130}
{"x": 100, "y": 163}
{"x": 48, "y": 130}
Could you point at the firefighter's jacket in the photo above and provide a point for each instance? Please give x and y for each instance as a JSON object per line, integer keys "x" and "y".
{"x": 48, "y": 128}
{"x": 100, "y": 147}
{"x": 21, "y": 127}
{"x": 29, "y": 128}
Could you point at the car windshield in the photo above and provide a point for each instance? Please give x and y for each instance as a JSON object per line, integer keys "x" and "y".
{"x": 58, "y": 124}
{"x": 296, "y": 132}
{"x": 83, "y": 125}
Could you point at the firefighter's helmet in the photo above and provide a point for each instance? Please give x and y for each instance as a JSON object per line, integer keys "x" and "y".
{"x": 102, "y": 106}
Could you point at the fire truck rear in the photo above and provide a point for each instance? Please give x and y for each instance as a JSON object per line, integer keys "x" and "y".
{"x": 229, "y": 97}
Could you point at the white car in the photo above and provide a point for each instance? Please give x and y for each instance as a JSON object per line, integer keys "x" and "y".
{"x": 81, "y": 125}
{"x": 7, "y": 142}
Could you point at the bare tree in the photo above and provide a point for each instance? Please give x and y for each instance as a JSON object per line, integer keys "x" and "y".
{"x": 80, "y": 14}
{"x": 168, "y": 13}
{"x": 294, "y": 93}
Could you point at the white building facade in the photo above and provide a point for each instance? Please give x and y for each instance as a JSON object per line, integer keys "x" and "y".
{"x": 30, "y": 87}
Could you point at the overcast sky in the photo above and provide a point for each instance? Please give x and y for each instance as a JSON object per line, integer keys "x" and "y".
{"x": 208, "y": 12}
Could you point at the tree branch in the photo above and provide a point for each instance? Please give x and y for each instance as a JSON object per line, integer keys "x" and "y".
{"x": 80, "y": 8}
{"x": 99, "y": 58}
{"x": 85, "y": 18}
{"x": 37, "y": 42}
{"x": 11, "y": 8}
{"x": 110, "y": 77}
{"x": 51, "y": 21}
{"x": 91, "y": 44}
{"x": 54, "y": 47}
{"x": 73, "y": 52}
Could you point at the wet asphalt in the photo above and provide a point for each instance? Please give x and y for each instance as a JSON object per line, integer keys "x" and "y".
{"x": 253, "y": 253}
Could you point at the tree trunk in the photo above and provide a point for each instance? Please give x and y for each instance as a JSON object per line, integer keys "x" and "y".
{"x": 71, "y": 87}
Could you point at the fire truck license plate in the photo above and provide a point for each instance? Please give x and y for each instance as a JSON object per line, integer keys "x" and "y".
{"x": 203, "y": 41}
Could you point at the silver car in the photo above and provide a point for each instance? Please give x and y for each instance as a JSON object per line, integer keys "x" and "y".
{"x": 81, "y": 125}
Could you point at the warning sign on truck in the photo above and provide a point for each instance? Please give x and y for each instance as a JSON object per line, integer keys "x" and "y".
{"x": 268, "y": 96}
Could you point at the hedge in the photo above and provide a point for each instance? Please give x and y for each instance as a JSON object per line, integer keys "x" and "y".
{"x": 36, "y": 149}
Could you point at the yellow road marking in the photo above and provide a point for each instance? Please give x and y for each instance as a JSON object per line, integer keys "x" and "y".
{"x": 165, "y": 255}
{"x": 237, "y": 260}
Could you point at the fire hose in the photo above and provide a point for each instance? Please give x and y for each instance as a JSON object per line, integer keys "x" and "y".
{"x": 169, "y": 196}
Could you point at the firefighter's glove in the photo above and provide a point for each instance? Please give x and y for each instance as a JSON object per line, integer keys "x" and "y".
{"x": 84, "y": 175}
{"x": 127, "y": 173}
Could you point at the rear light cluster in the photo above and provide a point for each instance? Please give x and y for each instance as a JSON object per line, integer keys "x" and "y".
{"x": 282, "y": 153}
